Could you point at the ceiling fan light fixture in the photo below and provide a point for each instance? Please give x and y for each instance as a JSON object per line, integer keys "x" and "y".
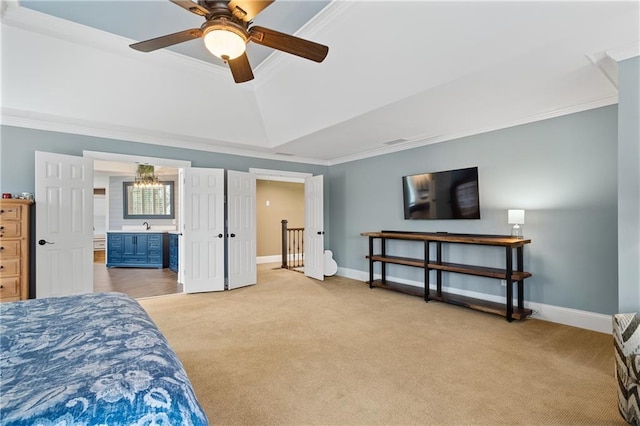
{"x": 226, "y": 33}
{"x": 225, "y": 43}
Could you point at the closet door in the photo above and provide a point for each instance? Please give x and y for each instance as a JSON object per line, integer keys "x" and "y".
{"x": 202, "y": 227}
{"x": 241, "y": 232}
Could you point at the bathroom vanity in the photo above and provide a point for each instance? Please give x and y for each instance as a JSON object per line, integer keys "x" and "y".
{"x": 141, "y": 249}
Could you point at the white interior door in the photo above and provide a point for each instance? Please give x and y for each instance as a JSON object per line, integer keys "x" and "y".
{"x": 241, "y": 240}
{"x": 64, "y": 224}
{"x": 314, "y": 227}
{"x": 202, "y": 226}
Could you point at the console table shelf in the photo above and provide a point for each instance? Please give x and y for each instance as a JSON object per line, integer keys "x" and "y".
{"x": 510, "y": 273}
{"x": 481, "y": 271}
{"x": 398, "y": 260}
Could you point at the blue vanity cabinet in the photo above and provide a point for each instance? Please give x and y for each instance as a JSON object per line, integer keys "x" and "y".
{"x": 114, "y": 249}
{"x": 137, "y": 249}
{"x": 157, "y": 249}
{"x": 134, "y": 248}
{"x": 173, "y": 252}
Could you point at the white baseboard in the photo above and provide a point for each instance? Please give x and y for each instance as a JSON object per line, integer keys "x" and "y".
{"x": 558, "y": 314}
{"x": 269, "y": 259}
{"x": 277, "y": 258}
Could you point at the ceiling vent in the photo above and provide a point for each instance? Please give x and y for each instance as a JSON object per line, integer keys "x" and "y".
{"x": 395, "y": 142}
{"x": 284, "y": 154}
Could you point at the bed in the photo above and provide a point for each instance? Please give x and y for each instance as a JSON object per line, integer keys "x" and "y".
{"x": 93, "y": 359}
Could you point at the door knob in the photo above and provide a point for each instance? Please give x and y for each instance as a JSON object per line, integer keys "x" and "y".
{"x": 220, "y": 235}
{"x": 232, "y": 235}
{"x": 320, "y": 232}
{"x": 43, "y": 242}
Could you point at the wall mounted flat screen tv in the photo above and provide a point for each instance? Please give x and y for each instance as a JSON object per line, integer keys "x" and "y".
{"x": 451, "y": 194}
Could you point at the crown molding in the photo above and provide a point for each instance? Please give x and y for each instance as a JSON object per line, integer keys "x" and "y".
{"x": 48, "y": 122}
{"x": 422, "y": 140}
{"x": 31, "y": 120}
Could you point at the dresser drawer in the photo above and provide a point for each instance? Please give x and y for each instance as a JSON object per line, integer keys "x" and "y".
{"x": 10, "y": 229}
{"x": 15, "y": 226}
{"x": 9, "y": 249}
{"x": 10, "y": 213}
{"x": 9, "y": 288}
{"x": 9, "y": 267}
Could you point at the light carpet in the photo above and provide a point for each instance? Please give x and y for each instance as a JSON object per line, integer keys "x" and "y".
{"x": 292, "y": 350}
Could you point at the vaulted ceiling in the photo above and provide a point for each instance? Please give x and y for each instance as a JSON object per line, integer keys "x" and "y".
{"x": 398, "y": 74}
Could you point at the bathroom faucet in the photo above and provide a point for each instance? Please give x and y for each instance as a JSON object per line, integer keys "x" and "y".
{"x": 145, "y": 223}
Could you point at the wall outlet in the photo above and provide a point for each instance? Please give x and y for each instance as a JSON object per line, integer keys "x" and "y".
{"x": 503, "y": 283}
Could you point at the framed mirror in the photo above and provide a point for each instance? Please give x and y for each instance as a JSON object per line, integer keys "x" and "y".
{"x": 148, "y": 202}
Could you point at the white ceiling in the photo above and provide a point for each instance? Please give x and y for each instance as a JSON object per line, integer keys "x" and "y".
{"x": 409, "y": 73}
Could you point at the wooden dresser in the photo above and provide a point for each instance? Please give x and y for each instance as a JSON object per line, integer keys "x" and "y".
{"x": 14, "y": 249}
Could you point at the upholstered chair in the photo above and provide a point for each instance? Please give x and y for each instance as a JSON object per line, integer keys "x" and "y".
{"x": 626, "y": 339}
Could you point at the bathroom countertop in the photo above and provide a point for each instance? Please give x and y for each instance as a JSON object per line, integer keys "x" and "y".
{"x": 139, "y": 231}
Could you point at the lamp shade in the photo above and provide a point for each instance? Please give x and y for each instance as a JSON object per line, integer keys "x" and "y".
{"x": 224, "y": 44}
{"x": 516, "y": 216}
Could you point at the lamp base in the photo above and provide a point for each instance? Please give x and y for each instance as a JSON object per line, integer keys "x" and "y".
{"x": 516, "y": 231}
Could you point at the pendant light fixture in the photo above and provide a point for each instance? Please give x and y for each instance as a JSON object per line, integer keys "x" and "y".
{"x": 146, "y": 177}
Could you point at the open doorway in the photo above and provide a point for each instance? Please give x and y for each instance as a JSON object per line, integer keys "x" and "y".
{"x": 277, "y": 201}
{"x": 111, "y": 171}
{"x": 109, "y": 178}
{"x": 280, "y": 195}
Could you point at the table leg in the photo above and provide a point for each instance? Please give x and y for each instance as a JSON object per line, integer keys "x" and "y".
{"x": 370, "y": 262}
{"x": 520, "y": 267}
{"x": 509, "y": 284}
{"x": 426, "y": 271}
{"x": 383, "y": 251}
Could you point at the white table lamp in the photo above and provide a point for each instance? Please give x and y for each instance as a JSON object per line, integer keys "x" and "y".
{"x": 516, "y": 218}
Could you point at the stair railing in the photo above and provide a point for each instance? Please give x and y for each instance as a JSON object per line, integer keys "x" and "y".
{"x": 292, "y": 246}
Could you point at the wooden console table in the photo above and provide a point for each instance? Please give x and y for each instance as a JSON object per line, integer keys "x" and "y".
{"x": 509, "y": 273}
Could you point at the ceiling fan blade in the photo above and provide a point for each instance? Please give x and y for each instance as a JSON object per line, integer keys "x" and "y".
{"x": 191, "y": 7}
{"x": 247, "y": 9}
{"x": 288, "y": 43}
{"x": 241, "y": 68}
{"x": 167, "y": 40}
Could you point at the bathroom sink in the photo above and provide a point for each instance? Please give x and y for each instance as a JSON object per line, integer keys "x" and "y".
{"x": 143, "y": 228}
{"x": 135, "y": 228}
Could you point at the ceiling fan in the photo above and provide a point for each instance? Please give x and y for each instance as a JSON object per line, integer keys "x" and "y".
{"x": 226, "y": 33}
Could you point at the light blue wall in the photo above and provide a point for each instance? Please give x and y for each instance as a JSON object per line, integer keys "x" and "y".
{"x": 562, "y": 171}
{"x": 629, "y": 185}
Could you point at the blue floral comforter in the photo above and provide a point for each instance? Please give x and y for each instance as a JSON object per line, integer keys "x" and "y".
{"x": 93, "y": 359}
